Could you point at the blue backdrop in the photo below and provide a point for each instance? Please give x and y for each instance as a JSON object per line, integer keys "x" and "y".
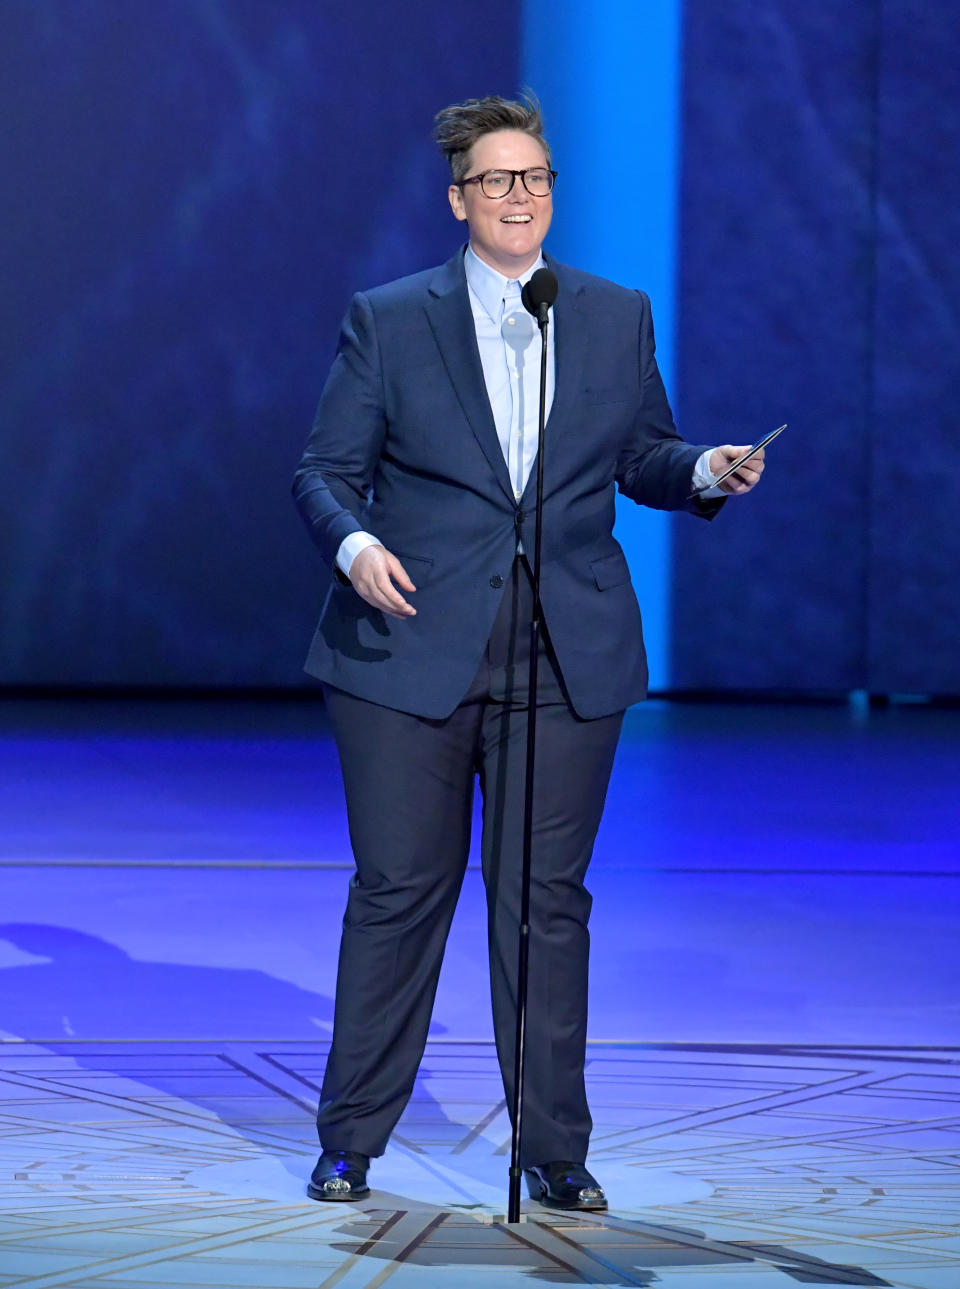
{"x": 195, "y": 188}
{"x": 819, "y": 284}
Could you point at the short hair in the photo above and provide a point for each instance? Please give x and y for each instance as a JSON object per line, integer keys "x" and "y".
{"x": 458, "y": 127}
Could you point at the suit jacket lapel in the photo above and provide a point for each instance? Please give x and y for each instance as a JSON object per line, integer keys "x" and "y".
{"x": 570, "y": 339}
{"x": 451, "y": 319}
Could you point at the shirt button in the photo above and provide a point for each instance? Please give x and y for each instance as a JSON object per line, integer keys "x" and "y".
{"x": 496, "y": 581}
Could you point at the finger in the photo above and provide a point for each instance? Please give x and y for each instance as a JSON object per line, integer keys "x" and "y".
{"x": 409, "y": 612}
{"x": 740, "y": 481}
{"x": 755, "y": 462}
{"x": 399, "y": 573}
{"x": 733, "y": 453}
{"x": 747, "y": 472}
{"x": 393, "y": 601}
{"x": 374, "y": 597}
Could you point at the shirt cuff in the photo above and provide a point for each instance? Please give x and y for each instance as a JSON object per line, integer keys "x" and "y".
{"x": 351, "y": 547}
{"x": 703, "y": 477}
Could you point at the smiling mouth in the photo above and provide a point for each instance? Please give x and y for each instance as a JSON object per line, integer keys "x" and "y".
{"x": 516, "y": 219}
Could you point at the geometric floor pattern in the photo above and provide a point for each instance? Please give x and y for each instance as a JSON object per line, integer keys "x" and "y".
{"x": 133, "y": 1165}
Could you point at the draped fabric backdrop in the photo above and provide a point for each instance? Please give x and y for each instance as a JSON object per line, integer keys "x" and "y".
{"x": 820, "y": 285}
{"x": 196, "y": 188}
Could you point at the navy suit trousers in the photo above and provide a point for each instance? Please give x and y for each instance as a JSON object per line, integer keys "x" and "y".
{"x": 409, "y": 783}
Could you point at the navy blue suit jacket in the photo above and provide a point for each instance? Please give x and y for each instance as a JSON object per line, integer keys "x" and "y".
{"x": 404, "y": 445}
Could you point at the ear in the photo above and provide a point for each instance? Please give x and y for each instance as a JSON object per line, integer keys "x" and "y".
{"x": 455, "y": 197}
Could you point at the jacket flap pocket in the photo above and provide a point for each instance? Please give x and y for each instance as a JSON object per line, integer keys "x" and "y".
{"x": 611, "y": 570}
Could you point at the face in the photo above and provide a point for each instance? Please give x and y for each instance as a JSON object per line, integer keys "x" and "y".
{"x": 506, "y": 232}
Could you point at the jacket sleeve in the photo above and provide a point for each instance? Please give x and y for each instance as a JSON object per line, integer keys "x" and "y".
{"x": 656, "y": 466}
{"x": 336, "y": 471}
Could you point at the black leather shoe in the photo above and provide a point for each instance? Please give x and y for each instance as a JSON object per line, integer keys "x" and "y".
{"x": 562, "y": 1184}
{"x": 340, "y": 1175}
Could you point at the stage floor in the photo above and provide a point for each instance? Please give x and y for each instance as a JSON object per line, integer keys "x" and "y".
{"x": 774, "y": 1069}
{"x": 183, "y": 1164}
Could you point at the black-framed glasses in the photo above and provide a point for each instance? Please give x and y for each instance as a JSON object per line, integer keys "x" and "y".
{"x": 537, "y": 180}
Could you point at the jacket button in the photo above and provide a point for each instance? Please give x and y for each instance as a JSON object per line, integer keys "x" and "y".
{"x": 496, "y": 581}
{"x": 521, "y": 516}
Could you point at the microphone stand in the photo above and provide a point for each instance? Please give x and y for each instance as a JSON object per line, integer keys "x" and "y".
{"x": 540, "y": 310}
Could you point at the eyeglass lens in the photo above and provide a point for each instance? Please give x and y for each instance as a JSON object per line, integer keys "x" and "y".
{"x": 497, "y": 183}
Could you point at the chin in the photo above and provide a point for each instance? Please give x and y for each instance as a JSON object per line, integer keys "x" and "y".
{"x": 527, "y": 245}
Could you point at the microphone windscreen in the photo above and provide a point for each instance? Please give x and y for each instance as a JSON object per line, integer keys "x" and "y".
{"x": 541, "y": 289}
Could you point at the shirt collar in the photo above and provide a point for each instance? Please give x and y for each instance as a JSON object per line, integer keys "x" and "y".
{"x": 488, "y": 285}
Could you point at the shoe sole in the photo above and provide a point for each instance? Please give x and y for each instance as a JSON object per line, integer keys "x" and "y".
{"x": 577, "y": 1206}
{"x": 344, "y": 1198}
{"x": 538, "y": 1192}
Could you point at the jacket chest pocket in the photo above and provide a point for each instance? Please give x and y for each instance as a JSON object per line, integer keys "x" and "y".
{"x": 595, "y": 394}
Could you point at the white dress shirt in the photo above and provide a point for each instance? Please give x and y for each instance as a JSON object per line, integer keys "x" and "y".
{"x": 509, "y": 342}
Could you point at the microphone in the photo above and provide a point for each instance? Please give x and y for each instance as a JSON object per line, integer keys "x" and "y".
{"x": 539, "y": 293}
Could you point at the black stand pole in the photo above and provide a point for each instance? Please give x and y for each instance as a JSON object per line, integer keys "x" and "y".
{"x": 513, "y": 1203}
